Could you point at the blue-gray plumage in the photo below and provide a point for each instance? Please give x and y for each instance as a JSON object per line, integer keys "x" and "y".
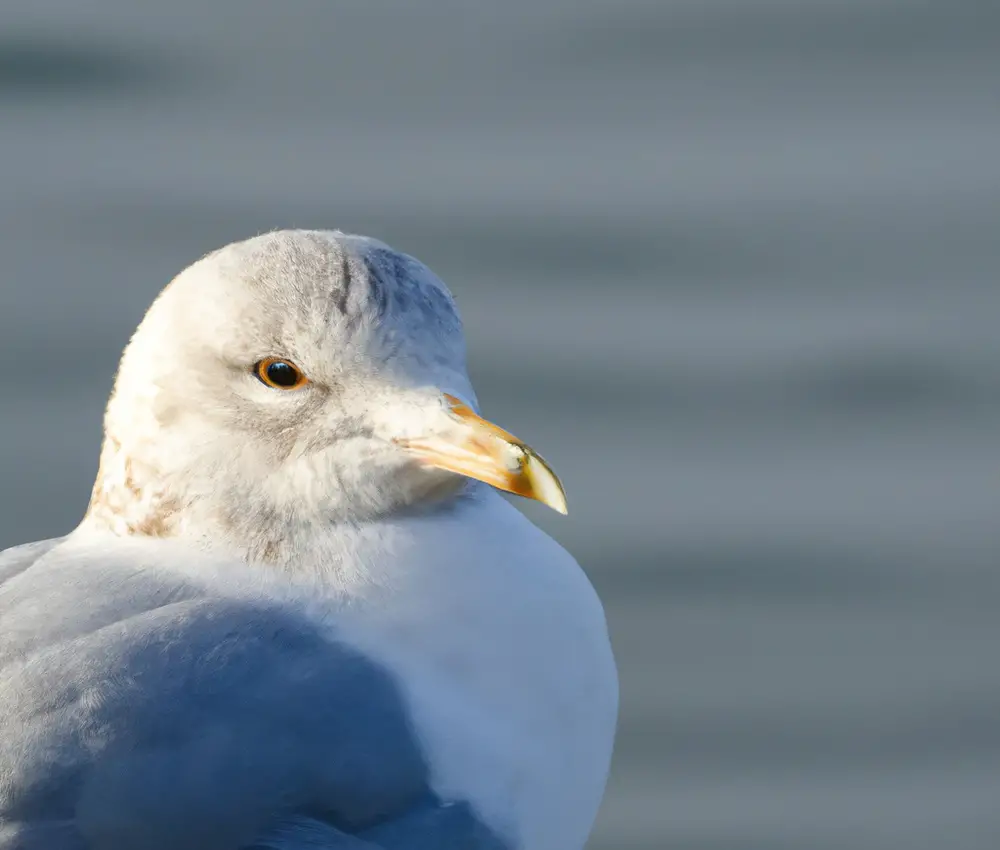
{"x": 170, "y": 717}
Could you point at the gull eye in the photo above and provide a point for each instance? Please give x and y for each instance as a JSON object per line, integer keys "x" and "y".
{"x": 280, "y": 374}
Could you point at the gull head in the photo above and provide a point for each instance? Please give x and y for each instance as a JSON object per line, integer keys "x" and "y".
{"x": 294, "y": 379}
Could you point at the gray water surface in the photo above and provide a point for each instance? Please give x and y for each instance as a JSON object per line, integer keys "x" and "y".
{"x": 731, "y": 266}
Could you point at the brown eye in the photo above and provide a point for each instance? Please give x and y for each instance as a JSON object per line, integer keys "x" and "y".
{"x": 280, "y": 374}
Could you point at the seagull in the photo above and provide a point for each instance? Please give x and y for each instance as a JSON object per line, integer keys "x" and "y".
{"x": 298, "y": 613}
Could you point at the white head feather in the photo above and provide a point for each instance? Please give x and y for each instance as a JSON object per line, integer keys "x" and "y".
{"x": 191, "y": 432}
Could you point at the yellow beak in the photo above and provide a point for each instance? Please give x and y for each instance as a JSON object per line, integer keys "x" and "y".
{"x": 479, "y": 449}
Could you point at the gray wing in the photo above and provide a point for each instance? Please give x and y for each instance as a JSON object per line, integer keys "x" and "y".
{"x": 20, "y": 558}
{"x": 137, "y": 711}
{"x": 428, "y": 826}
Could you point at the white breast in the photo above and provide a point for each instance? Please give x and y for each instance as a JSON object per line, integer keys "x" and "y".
{"x": 494, "y": 634}
{"x": 501, "y": 647}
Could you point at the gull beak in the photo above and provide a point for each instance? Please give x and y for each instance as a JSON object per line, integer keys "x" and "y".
{"x": 478, "y": 449}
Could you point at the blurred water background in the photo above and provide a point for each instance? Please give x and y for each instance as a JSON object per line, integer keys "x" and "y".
{"x": 731, "y": 265}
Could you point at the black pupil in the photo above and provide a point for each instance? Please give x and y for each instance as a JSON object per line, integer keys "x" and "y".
{"x": 283, "y": 374}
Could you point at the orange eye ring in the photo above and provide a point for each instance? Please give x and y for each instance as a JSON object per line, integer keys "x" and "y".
{"x": 279, "y": 374}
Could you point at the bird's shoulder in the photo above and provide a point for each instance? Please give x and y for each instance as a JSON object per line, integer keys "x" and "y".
{"x": 141, "y": 708}
{"x": 19, "y": 558}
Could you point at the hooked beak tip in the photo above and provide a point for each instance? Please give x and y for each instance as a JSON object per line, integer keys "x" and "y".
{"x": 471, "y": 446}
